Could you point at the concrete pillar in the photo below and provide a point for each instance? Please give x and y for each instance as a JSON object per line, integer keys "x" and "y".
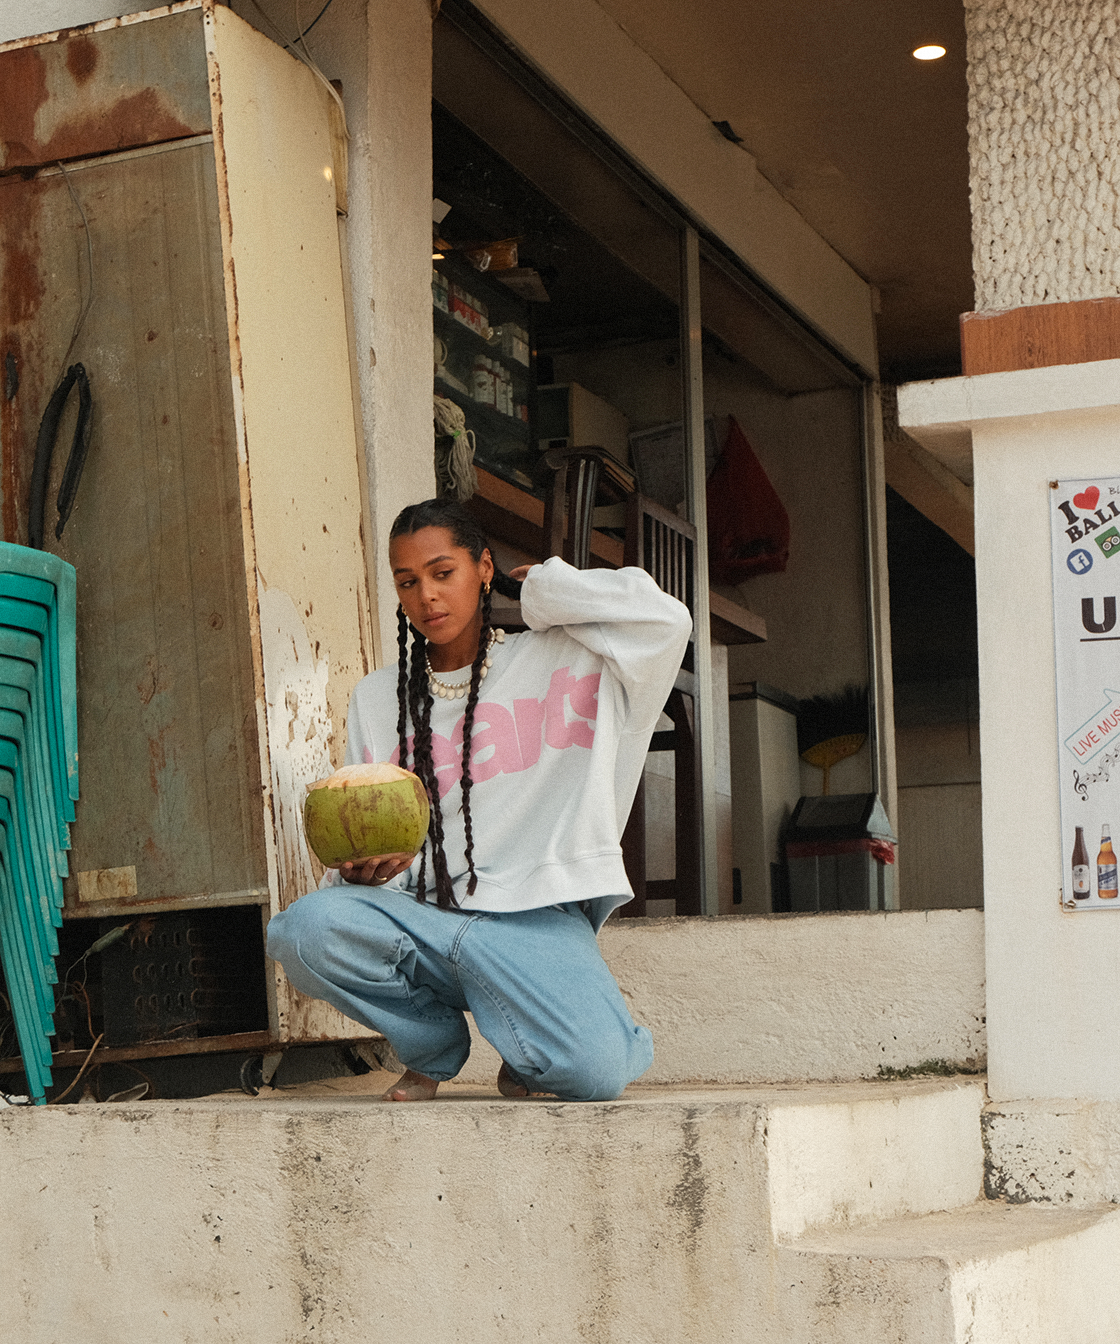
{"x": 396, "y": 361}
{"x": 1044, "y": 121}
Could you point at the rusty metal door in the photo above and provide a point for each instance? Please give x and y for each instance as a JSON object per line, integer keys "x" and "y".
{"x": 167, "y": 729}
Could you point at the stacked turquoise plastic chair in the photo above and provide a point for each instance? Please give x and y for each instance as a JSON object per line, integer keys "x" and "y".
{"x": 38, "y": 787}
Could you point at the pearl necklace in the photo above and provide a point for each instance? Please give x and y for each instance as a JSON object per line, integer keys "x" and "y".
{"x": 447, "y": 690}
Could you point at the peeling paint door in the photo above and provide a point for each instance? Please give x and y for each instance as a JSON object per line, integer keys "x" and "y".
{"x": 167, "y": 729}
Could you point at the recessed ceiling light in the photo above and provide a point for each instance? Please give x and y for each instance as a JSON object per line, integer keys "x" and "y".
{"x": 931, "y": 53}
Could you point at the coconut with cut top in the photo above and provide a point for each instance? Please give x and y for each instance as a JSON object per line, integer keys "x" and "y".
{"x": 364, "y": 812}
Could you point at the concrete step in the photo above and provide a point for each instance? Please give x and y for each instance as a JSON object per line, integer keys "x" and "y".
{"x": 672, "y": 1215}
{"x": 861, "y": 1152}
{"x": 990, "y": 1273}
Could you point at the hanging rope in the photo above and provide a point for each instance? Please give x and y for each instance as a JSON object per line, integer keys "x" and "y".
{"x": 455, "y": 460}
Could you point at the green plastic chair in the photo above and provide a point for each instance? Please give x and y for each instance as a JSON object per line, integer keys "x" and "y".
{"x": 38, "y": 786}
{"x": 34, "y": 1026}
{"x": 17, "y": 699}
{"x": 33, "y": 932}
{"x": 35, "y": 802}
{"x": 27, "y": 647}
{"x": 25, "y": 561}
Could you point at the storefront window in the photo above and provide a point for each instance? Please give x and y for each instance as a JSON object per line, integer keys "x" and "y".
{"x": 557, "y": 292}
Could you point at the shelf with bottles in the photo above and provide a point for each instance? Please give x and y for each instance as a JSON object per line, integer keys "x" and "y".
{"x": 483, "y": 363}
{"x": 479, "y": 370}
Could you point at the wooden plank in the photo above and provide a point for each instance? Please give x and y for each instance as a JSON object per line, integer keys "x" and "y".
{"x": 517, "y": 518}
{"x": 735, "y": 624}
{"x": 123, "y": 909}
{"x": 1039, "y": 335}
{"x": 95, "y": 92}
{"x": 247, "y": 1042}
{"x": 253, "y": 1042}
{"x": 931, "y": 488}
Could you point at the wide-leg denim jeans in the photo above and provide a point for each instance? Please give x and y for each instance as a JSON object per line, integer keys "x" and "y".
{"x": 534, "y": 980}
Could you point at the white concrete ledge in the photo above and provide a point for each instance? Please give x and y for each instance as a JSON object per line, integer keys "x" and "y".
{"x": 984, "y": 1273}
{"x": 790, "y": 998}
{"x": 941, "y": 414}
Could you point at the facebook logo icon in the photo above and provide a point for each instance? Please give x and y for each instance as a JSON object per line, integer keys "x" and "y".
{"x": 1079, "y": 561}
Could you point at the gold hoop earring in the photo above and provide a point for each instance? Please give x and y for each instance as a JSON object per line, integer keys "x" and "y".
{"x": 486, "y": 589}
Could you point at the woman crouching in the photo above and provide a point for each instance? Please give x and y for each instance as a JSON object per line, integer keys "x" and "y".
{"x": 531, "y": 747}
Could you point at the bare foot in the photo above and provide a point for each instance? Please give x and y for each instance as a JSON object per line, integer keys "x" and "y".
{"x": 508, "y": 1086}
{"x": 412, "y": 1086}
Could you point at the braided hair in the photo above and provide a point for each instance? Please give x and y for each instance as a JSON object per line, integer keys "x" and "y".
{"x": 414, "y": 696}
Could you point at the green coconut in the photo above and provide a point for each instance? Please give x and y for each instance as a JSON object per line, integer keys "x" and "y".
{"x": 365, "y": 812}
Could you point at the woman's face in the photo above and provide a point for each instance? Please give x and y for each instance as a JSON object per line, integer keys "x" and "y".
{"x": 438, "y": 584}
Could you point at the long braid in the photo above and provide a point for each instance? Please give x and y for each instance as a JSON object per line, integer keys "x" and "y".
{"x": 402, "y": 686}
{"x": 445, "y": 895}
{"x": 420, "y": 709}
{"x": 465, "y": 780}
{"x": 421, "y": 758}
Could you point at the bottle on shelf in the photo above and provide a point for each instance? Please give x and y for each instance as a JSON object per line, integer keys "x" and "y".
{"x": 440, "y": 291}
{"x": 482, "y": 381}
{"x": 515, "y": 342}
{"x": 499, "y": 386}
{"x": 1081, "y": 886}
{"x": 468, "y": 310}
{"x": 1106, "y": 868}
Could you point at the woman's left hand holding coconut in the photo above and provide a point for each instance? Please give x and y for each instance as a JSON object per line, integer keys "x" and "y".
{"x": 376, "y": 871}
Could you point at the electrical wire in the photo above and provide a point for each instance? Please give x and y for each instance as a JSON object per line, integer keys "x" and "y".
{"x": 114, "y": 935}
{"x": 83, "y": 312}
{"x": 310, "y": 63}
{"x": 81, "y": 989}
{"x": 119, "y": 1064}
{"x": 316, "y": 19}
{"x": 78, "y": 1076}
{"x": 295, "y": 43}
{"x": 288, "y": 42}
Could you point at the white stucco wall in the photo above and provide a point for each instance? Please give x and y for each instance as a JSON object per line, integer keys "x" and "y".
{"x": 1047, "y": 1152}
{"x": 1051, "y": 975}
{"x": 25, "y": 18}
{"x": 1044, "y": 121}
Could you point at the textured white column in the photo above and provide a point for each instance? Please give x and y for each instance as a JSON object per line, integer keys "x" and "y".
{"x": 1044, "y": 136}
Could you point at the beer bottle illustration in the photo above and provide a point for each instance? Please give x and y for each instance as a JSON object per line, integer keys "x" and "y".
{"x": 1106, "y": 868}
{"x": 1081, "y": 888}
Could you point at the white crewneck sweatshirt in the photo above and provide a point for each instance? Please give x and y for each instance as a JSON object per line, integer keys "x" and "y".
{"x": 561, "y": 732}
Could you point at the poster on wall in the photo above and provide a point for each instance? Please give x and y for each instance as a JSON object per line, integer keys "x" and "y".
{"x": 1085, "y": 544}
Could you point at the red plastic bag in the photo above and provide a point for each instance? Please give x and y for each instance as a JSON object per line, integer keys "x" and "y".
{"x": 748, "y": 527}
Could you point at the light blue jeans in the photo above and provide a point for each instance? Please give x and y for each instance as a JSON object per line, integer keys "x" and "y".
{"x": 534, "y": 980}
